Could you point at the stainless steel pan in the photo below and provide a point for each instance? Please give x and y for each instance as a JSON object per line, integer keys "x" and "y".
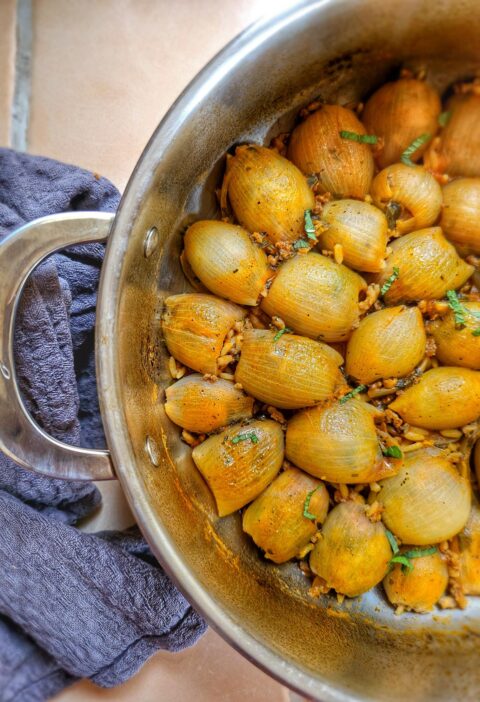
{"x": 339, "y": 50}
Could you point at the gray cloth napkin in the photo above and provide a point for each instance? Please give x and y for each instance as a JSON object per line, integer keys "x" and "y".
{"x": 72, "y": 605}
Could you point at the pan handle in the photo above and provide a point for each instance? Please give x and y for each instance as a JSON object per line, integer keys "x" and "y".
{"x": 20, "y": 437}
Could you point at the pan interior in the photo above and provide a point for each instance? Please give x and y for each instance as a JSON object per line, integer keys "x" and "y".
{"x": 339, "y": 51}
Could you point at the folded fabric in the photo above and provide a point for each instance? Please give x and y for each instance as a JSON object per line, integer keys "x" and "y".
{"x": 72, "y": 604}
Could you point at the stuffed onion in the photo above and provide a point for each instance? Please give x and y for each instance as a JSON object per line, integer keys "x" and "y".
{"x": 326, "y": 370}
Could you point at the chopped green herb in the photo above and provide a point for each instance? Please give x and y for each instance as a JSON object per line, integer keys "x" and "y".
{"x": 461, "y": 312}
{"x": 444, "y": 118}
{"x": 406, "y": 558}
{"x": 406, "y": 563}
{"x": 306, "y": 505}
{"x": 393, "y": 451}
{"x": 420, "y": 552}
{"x": 414, "y": 146}
{"x": 248, "y": 436}
{"x": 281, "y": 332}
{"x": 352, "y": 393}
{"x": 301, "y": 244}
{"x": 361, "y": 138}
{"x": 392, "y": 212}
{"x": 390, "y": 281}
{"x": 457, "y": 307}
{"x": 472, "y": 313}
{"x": 309, "y": 226}
{"x": 393, "y": 542}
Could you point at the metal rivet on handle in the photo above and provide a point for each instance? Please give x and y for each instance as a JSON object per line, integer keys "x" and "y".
{"x": 152, "y": 450}
{"x": 5, "y": 371}
{"x": 151, "y": 242}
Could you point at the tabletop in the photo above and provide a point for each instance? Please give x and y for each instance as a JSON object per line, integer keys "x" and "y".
{"x": 86, "y": 82}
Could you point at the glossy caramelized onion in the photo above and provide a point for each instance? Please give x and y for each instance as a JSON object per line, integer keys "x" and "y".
{"x": 202, "y": 406}
{"x": 288, "y": 371}
{"x": 360, "y": 229}
{"x": 427, "y": 501}
{"x": 427, "y": 265}
{"x": 240, "y": 462}
{"x": 469, "y": 553}
{"x": 460, "y": 220}
{"x": 444, "y": 398}
{"x": 194, "y": 327}
{"x": 276, "y": 520}
{"x": 420, "y": 587}
{"x": 457, "y": 150}
{"x": 400, "y": 112}
{"x": 388, "y": 343}
{"x": 337, "y": 443}
{"x": 316, "y": 297}
{"x": 458, "y": 345}
{"x": 409, "y": 194}
{"x": 352, "y": 554}
{"x": 343, "y": 167}
{"x": 476, "y": 461}
{"x": 268, "y": 193}
{"x": 226, "y": 261}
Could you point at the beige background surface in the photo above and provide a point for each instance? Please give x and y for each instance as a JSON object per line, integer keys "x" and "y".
{"x": 7, "y": 58}
{"x": 103, "y": 72}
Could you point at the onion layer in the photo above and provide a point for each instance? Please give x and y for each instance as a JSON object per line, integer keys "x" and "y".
{"x": 400, "y": 112}
{"x": 389, "y": 343}
{"x": 239, "y": 463}
{"x": 461, "y": 214}
{"x": 316, "y": 297}
{"x": 343, "y": 167}
{"x": 226, "y": 261}
{"x": 444, "y": 398}
{"x": 469, "y": 552}
{"x": 427, "y": 266}
{"x": 268, "y": 193}
{"x": 458, "y": 347}
{"x": 194, "y": 327}
{"x": 361, "y": 230}
{"x": 457, "y": 150}
{"x": 336, "y": 443}
{"x": 202, "y": 406}
{"x": 410, "y": 190}
{"x": 288, "y": 372}
{"x": 418, "y": 589}
{"x": 427, "y": 501}
{"x": 276, "y": 521}
{"x": 352, "y": 554}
